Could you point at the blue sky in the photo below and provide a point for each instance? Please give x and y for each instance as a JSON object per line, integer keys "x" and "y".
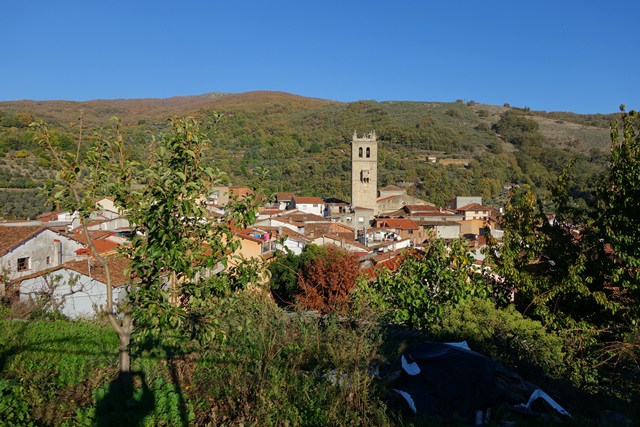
{"x": 578, "y": 56}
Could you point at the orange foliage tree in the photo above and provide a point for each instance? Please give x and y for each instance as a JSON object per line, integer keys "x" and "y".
{"x": 325, "y": 284}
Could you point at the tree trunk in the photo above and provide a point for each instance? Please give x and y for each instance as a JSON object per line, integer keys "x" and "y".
{"x": 124, "y": 360}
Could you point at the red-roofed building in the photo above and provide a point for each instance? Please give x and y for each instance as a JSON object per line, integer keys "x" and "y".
{"x": 78, "y": 286}
{"x": 405, "y": 228}
{"x": 475, "y": 218}
{"x": 474, "y": 211}
{"x": 26, "y": 250}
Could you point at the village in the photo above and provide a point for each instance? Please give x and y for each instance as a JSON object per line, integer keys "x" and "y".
{"x": 51, "y": 255}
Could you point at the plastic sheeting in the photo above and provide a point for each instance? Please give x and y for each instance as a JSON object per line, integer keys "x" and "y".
{"x": 446, "y": 378}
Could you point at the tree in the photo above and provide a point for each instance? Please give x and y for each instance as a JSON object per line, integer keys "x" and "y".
{"x": 326, "y": 283}
{"x": 618, "y": 210}
{"x": 427, "y": 281}
{"x": 176, "y": 246}
{"x": 79, "y": 182}
{"x": 178, "y": 243}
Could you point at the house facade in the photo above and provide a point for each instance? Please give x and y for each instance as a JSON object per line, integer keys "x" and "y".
{"x": 312, "y": 205}
{"x": 25, "y": 250}
{"x": 78, "y": 288}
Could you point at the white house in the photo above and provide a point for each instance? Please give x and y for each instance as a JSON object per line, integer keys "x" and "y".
{"x": 78, "y": 288}
{"x": 312, "y": 205}
{"x": 25, "y": 250}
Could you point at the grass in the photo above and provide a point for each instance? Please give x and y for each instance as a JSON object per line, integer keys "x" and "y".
{"x": 274, "y": 368}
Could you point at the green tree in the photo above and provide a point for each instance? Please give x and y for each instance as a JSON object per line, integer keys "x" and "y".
{"x": 619, "y": 211}
{"x": 177, "y": 245}
{"x": 425, "y": 283}
{"x": 80, "y": 181}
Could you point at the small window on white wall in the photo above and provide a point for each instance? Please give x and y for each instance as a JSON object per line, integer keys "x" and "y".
{"x": 360, "y": 219}
{"x": 24, "y": 264}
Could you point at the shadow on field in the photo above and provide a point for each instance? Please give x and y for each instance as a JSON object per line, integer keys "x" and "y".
{"x": 125, "y": 403}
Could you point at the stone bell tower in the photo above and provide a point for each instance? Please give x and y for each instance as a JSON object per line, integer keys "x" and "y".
{"x": 364, "y": 171}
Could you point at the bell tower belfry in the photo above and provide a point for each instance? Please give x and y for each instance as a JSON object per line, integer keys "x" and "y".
{"x": 364, "y": 171}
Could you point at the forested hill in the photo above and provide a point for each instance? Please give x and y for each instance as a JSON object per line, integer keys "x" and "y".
{"x": 302, "y": 144}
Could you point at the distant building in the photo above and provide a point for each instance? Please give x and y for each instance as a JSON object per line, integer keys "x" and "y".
{"x": 364, "y": 171}
{"x": 312, "y": 205}
{"x": 461, "y": 201}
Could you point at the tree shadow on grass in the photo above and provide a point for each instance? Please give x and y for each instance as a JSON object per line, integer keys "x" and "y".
{"x": 125, "y": 403}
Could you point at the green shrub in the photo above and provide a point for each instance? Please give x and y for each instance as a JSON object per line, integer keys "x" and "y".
{"x": 504, "y": 334}
{"x": 286, "y": 369}
{"x": 14, "y": 409}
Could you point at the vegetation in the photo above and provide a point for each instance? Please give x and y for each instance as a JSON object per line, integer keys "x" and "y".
{"x": 304, "y": 143}
{"x": 573, "y": 327}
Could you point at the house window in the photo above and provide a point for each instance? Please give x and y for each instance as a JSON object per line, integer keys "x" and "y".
{"x": 360, "y": 219}
{"x": 23, "y": 264}
{"x": 360, "y": 152}
{"x": 315, "y": 205}
{"x": 348, "y": 219}
{"x": 368, "y": 152}
{"x": 48, "y": 260}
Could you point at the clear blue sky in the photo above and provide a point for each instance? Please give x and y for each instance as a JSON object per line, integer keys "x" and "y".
{"x": 563, "y": 55}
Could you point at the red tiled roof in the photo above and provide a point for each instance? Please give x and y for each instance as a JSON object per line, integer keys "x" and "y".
{"x": 308, "y": 200}
{"x": 284, "y": 196}
{"x": 11, "y": 236}
{"x": 91, "y": 268}
{"x": 402, "y": 223}
{"x": 473, "y": 207}
{"x": 278, "y": 232}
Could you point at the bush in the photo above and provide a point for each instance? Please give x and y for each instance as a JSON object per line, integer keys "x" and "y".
{"x": 286, "y": 369}
{"x": 504, "y": 334}
{"x": 14, "y": 409}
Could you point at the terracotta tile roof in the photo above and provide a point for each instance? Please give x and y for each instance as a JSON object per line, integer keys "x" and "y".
{"x": 240, "y": 191}
{"x": 93, "y": 235}
{"x": 91, "y": 268}
{"x": 284, "y": 197}
{"x": 12, "y": 236}
{"x": 328, "y": 228}
{"x": 269, "y": 211}
{"x": 102, "y": 246}
{"x": 278, "y": 232}
{"x": 473, "y": 207}
{"x": 384, "y": 261}
{"x": 402, "y": 223}
{"x": 308, "y": 200}
{"x": 347, "y": 240}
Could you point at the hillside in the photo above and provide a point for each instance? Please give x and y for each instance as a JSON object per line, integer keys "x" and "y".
{"x": 303, "y": 143}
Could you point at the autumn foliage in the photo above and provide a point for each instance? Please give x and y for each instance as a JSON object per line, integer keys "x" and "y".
{"x": 325, "y": 284}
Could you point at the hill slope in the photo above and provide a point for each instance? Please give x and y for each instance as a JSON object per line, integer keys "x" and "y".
{"x": 304, "y": 142}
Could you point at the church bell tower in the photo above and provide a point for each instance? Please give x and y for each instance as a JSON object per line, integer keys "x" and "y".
{"x": 364, "y": 171}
